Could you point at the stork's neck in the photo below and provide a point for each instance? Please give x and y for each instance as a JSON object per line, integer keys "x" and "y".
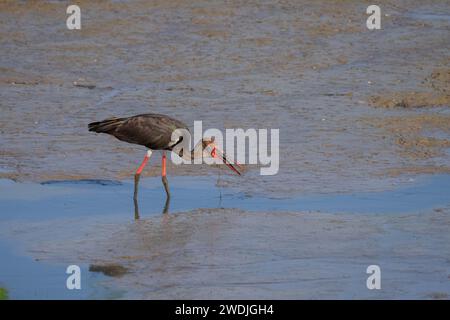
{"x": 195, "y": 153}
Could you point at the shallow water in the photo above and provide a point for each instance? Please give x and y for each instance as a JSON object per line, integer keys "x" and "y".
{"x": 235, "y": 246}
{"x": 306, "y": 68}
{"x": 27, "y": 278}
{"x": 53, "y": 199}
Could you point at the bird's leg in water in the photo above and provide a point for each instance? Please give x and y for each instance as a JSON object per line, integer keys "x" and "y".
{"x": 163, "y": 175}
{"x": 138, "y": 173}
{"x": 166, "y": 205}
{"x": 136, "y": 209}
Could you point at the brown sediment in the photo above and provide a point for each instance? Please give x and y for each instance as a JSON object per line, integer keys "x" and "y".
{"x": 111, "y": 270}
{"x": 414, "y": 123}
{"x": 422, "y": 147}
{"x": 415, "y": 170}
{"x": 410, "y": 100}
{"x": 438, "y": 81}
{"x": 411, "y": 133}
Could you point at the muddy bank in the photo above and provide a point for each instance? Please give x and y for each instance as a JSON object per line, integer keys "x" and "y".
{"x": 304, "y": 67}
{"x": 438, "y": 94}
{"x": 439, "y": 80}
{"x": 411, "y": 100}
{"x": 418, "y": 136}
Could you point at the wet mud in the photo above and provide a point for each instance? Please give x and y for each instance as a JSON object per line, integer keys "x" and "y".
{"x": 363, "y": 116}
{"x": 308, "y": 68}
{"x": 111, "y": 270}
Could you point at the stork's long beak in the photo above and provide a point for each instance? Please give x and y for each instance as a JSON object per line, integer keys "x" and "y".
{"x": 217, "y": 153}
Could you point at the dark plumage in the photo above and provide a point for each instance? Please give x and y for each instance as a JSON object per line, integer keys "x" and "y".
{"x": 151, "y": 130}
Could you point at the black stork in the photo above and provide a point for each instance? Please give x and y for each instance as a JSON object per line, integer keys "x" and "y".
{"x": 154, "y": 131}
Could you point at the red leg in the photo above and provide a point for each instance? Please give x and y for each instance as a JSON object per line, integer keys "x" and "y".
{"x": 138, "y": 172}
{"x": 143, "y": 164}
{"x": 163, "y": 175}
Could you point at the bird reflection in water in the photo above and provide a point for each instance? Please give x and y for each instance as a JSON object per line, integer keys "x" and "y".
{"x": 136, "y": 207}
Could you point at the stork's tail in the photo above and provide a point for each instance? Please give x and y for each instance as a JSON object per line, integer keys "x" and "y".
{"x": 105, "y": 126}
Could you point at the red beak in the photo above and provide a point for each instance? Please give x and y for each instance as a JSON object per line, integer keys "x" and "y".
{"x": 216, "y": 153}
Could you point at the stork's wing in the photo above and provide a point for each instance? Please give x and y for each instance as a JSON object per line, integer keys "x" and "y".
{"x": 151, "y": 130}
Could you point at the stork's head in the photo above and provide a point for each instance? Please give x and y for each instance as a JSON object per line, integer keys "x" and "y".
{"x": 208, "y": 148}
